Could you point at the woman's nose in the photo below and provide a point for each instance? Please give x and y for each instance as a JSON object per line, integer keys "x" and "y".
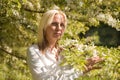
{"x": 59, "y": 27}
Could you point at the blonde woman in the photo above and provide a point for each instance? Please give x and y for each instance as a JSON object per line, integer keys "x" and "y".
{"x": 44, "y": 57}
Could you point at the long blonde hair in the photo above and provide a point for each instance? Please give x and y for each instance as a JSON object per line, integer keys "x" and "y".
{"x": 46, "y": 20}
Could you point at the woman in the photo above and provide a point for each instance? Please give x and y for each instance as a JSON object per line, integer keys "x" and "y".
{"x": 44, "y": 57}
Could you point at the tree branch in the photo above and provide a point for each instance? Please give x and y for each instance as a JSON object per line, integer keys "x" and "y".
{"x": 26, "y": 8}
{"x": 35, "y": 11}
{"x": 19, "y": 57}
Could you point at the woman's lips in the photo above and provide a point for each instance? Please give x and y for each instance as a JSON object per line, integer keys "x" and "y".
{"x": 58, "y": 34}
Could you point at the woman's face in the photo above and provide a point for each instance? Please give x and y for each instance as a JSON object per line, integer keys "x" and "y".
{"x": 56, "y": 28}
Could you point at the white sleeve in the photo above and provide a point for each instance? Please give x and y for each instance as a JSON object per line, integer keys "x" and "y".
{"x": 54, "y": 72}
{"x": 34, "y": 64}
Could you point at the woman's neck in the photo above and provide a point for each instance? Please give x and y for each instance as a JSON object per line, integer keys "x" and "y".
{"x": 52, "y": 45}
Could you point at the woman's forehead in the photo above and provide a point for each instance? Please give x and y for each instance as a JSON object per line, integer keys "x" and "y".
{"x": 59, "y": 18}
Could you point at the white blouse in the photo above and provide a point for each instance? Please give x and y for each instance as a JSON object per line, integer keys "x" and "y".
{"x": 45, "y": 66}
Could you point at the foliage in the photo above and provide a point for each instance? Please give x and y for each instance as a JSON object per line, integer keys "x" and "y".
{"x": 76, "y": 54}
{"x": 19, "y": 21}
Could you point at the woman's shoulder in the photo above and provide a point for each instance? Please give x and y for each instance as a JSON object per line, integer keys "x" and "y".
{"x": 33, "y": 46}
{"x": 33, "y": 49}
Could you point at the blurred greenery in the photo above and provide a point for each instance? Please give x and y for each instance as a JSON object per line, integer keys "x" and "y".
{"x": 93, "y": 29}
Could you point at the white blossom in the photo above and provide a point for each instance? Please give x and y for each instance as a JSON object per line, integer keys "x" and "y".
{"x": 110, "y": 20}
{"x": 101, "y": 17}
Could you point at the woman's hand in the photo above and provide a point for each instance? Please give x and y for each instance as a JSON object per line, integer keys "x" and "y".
{"x": 91, "y": 62}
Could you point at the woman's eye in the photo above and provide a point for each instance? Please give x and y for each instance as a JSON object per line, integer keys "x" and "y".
{"x": 62, "y": 25}
{"x": 55, "y": 24}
